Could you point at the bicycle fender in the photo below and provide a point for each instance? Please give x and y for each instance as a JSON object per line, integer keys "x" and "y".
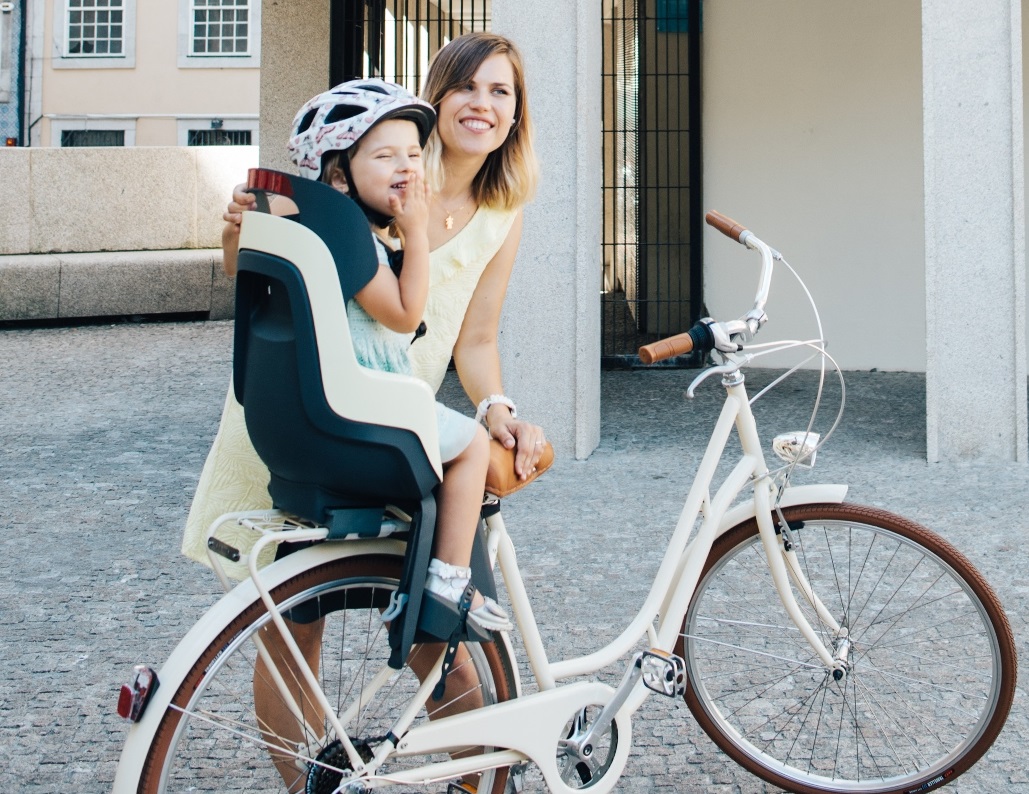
{"x": 797, "y": 495}
{"x": 141, "y": 734}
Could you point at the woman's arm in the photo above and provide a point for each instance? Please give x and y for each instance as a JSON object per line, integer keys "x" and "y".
{"x": 478, "y": 360}
{"x": 233, "y": 216}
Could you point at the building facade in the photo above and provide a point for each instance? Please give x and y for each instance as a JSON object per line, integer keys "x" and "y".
{"x": 132, "y": 73}
{"x": 11, "y": 45}
{"x": 880, "y": 145}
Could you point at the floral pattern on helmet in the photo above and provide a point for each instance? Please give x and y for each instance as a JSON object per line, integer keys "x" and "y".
{"x": 336, "y": 119}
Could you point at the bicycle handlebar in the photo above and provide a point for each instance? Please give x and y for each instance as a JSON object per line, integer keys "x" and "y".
{"x": 678, "y": 345}
{"x": 726, "y": 225}
{"x": 704, "y": 335}
{"x": 697, "y": 338}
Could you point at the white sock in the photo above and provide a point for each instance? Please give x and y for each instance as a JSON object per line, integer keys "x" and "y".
{"x": 447, "y": 580}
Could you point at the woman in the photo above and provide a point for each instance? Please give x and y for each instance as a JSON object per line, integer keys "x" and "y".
{"x": 481, "y": 167}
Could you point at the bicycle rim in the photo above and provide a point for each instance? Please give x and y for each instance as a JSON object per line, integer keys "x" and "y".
{"x": 211, "y": 738}
{"x": 932, "y": 659}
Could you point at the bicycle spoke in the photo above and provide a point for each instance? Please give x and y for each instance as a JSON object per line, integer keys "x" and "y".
{"x": 219, "y": 732}
{"x": 920, "y": 680}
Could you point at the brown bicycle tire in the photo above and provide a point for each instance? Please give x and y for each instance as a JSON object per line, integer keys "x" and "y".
{"x": 384, "y": 569}
{"x": 909, "y": 537}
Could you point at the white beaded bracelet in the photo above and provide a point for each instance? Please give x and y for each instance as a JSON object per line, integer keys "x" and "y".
{"x": 493, "y": 399}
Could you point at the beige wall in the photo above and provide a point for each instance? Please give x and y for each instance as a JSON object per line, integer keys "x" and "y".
{"x": 295, "y": 48}
{"x": 156, "y": 90}
{"x": 118, "y": 199}
{"x": 813, "y": 138}
{"x": 1025, "y": 129}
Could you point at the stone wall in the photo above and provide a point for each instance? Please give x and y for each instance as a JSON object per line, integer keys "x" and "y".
{"x": 111, "y": 231}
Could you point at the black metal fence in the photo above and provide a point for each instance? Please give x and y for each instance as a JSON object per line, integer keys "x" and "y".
{"x": 652, "y": 283}
{"x": 651, "y": 254}
{"x": 396, "y": 39}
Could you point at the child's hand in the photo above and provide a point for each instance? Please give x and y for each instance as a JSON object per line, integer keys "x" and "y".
{"x": 241, "y": 202}
{"x": 411, "y": 213}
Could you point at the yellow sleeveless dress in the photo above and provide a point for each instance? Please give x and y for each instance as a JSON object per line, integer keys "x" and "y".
{"x": 235, "y": 479}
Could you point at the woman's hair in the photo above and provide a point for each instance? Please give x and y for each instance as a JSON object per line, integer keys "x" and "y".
{"x": 508, "y": 177}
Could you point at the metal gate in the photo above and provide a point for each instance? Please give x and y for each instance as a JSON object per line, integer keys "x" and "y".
{"x": 396, "y": 39}
{"x": 651, "y": 112}
{"x": 651, "y": 177}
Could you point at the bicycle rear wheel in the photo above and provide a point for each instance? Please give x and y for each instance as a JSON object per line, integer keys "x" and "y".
{"x": 211, "y": 738}
{"x": 932, "y": 659}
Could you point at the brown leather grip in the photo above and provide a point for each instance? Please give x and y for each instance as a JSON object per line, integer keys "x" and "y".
{"x": 666, "y": 348}
{"x": 726, "y": 225}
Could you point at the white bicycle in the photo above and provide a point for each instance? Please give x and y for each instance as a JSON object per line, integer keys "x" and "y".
{"x": 824, "y": 646}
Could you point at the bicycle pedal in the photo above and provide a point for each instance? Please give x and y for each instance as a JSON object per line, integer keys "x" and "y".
{"x": 664, "y": 673}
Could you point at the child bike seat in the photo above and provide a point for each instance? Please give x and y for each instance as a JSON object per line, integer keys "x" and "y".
{"x": 329, "y": 430}
{"x": 341, "y": 441}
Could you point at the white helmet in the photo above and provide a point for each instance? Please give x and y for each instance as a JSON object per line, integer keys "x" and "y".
{"x": 336, "y": 119}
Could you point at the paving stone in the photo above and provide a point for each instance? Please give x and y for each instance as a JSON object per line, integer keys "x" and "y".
{"x": 105, "y": 429}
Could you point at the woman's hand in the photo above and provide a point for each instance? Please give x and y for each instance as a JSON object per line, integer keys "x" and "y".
{"x": 242, "y": 201}
{"x": 233, "y": 217}
{"x": 526, "y": 438}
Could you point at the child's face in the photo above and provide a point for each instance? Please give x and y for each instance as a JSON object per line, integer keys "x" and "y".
{"x": 385, "y": 157}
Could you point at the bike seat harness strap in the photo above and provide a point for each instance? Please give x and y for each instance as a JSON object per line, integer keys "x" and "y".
{"x": 463, "y": 606}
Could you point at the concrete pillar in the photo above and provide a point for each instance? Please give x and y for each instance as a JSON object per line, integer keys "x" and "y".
{"x": 294, "y": 67}
{"x": 550, "y": 332}
{"x": 974, "y": 231}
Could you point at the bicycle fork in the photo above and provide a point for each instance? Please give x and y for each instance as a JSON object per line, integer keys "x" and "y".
{"x": 784, "y": 567}
{"x": 776, "y": 551}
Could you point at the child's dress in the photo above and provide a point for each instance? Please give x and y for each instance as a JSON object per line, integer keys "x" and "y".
{"x": 378, "y": 347}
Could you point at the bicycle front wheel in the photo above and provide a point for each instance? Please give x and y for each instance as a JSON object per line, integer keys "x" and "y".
{"x": 931, "y": 658}
{"x": 217, "y": 734}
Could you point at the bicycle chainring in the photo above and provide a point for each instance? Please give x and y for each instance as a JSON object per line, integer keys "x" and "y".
{"x": 585, "y": 770}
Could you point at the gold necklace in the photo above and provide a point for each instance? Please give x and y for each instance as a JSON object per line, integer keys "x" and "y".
{"x": 448, "y": 222}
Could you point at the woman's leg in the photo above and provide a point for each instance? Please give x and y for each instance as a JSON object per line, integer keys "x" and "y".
{"x": 278, "y": 725}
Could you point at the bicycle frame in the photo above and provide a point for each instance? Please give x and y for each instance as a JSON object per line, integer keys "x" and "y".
{"x": 666, "y": 605}
{"x": 532, "y": 727}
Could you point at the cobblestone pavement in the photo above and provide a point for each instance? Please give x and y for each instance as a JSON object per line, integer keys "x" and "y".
{"x": 105, "y": 429}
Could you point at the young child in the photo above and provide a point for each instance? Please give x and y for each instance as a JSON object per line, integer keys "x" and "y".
{"x": 365, "y": 138}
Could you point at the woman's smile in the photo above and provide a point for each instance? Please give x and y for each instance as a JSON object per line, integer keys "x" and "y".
{"x": 476, "y": 124}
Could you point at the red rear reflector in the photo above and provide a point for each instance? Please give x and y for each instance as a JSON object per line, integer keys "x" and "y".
{"x": 272, "y": 181}
{"x": 135, "y": 695}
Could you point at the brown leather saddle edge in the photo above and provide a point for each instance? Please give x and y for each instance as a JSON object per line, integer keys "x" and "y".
{"x": 501, "y": 479}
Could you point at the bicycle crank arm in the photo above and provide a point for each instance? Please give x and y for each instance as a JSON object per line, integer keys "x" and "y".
{"x": 582, "y": 746}
{"x": 661, "y": 672}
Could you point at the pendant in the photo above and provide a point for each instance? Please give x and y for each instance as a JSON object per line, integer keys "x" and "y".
{"x": 449, "y": 221}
